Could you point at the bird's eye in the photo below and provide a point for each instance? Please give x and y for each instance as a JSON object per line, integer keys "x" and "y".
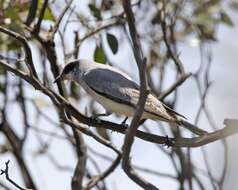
{"x": 68, "y": 68}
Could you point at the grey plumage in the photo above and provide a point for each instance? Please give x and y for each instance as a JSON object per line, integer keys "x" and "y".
{"x": 115, "y": 90}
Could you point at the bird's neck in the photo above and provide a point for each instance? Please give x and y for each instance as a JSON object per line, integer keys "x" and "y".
{"x": 77, "y": 78}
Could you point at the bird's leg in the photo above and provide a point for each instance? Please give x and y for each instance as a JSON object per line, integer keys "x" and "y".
{"x": 142, "y": 121}
{"x": 124, "y": 122}
{"x": 168, "y": 142}
{"x": 96, "y": 116}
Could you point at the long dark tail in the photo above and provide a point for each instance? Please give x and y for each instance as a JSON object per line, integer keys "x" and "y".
{"x": 193, "y": 128}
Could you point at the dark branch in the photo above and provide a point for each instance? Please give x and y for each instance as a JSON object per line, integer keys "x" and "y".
{"x": 103, "y": 175}
{"x": 172, "y": 54}
{"x": 27, "y": 49}
{"x": 141, "y": 64}
{"x": 63, "y": 103}
{"x": 42, "y": 13}
{"x": 5, "y": 171}
{"x": 60, "y": 19}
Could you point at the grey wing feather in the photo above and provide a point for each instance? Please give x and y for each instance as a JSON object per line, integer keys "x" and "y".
{"x": 111, "y": 84}
{"x": 170, "y": 110}
{"x": 120, "y": 88}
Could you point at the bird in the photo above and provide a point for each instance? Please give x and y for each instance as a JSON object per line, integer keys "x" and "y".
{"x": 115, "y": 90}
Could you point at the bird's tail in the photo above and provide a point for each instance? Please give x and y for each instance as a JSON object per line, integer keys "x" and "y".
{"x": 172, "y": 112}
{"x": 183, "y": 123}
{"x": 194, "y": 129}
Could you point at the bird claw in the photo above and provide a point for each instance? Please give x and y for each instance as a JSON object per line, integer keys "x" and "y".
{"x": 96, "y": 117}
{"x": 123, "y": 123}
{"x": 168, "y": 142}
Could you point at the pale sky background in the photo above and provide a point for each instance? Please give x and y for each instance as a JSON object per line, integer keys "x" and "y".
{"x": 222, "y": 101}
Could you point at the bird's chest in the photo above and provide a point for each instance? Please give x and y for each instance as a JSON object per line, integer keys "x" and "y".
{"x": 108, "y": 104}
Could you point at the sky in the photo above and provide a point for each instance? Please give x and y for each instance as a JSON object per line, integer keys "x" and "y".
{"x": 222, "y": 101}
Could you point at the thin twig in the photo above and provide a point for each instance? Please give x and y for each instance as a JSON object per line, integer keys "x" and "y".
{"x": 93, "y": 32}
{"x": 103, "y": 175}
{"x": 5, "y": 171}
{"x": 178, "y": 82}
{"x": 60, "y": 19}
{"x": 36, "y": 29}
{"x": 175, "y": 58}
{"x": 63, "y": 103}
{"x": 23, "y": 40}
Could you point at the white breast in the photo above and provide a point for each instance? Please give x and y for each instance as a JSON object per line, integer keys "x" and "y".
{"x": 112, "y": 106}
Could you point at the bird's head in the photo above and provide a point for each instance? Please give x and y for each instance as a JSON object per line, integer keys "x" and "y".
{"x": 70, "y": 72}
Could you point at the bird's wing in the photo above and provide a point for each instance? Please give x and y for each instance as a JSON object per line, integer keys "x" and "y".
{"x": 172, "y": 112}
{"x": 111, "y": 84}
{"x": 120, "y": 88}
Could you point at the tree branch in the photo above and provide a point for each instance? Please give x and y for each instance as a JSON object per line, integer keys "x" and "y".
{"x": 42, "y": 13}
{"x": 23, "y": 40}
{"x": 14, "y": 141}
{"x": 103, "y": 175}
{"x": 129, "y": 138}
{"x": 5, "y": 171}
{"x": 60, "y": 19}
{"x": 59, "y": 101}
{"x": 172, "y": 54}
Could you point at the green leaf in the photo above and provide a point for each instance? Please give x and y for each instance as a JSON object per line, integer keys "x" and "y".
{"x": 99, "y": 55}
{"x": 95, "y": 11}
{"x": 205, "y": 19}
{"x": 13, "y": 14}
{"x": 13, "y": 45}
{"x": 156, "y": 19}
{"x": 8, "y": 43}
{"x": 48, "y": 13}
{"x": 74, "y": 90}
{"x": 113, "y": 43}
{"x": 234, "y": 5}
{"x": 2, "y": 87}
{"x": 2, "y": 71}
{"x": 225, "y": 18}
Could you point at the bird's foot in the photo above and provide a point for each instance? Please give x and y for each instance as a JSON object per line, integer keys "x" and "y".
{"x": 123, "y": 123}
{"x": 96, "y": 116}
{"x": 168, "y": 142}
{"x": 142, "y": 121}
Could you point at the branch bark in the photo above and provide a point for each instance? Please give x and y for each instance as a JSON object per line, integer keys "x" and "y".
{"x": 27, "y": 49}
{"x": 5, "y": 171}
{"x": 157, "y": 139}
{"x": 141, "y": 64}
{"x": 14, "y": 141}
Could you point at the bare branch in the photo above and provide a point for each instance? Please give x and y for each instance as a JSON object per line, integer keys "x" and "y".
{"x": 79, "y": 171}
{"x": 178, "y": 82}
{"x": 103, "y": 175}
{"x": 32, "y": 12}
{"x": 141, "y": 64}
{"x": 42, "y": 13}
{"x": 5, "y": 171}
{"x": 23, "y": 40}
{"x": 181, "y": 142}
{"x": 114, "y": 22}
{"x": 14, "y": 142}
{"x": 172, "y": 54}
{"x": 60, "y": 19}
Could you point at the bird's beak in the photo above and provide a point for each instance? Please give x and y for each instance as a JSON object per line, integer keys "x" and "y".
{"x": 58, "y": 78}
